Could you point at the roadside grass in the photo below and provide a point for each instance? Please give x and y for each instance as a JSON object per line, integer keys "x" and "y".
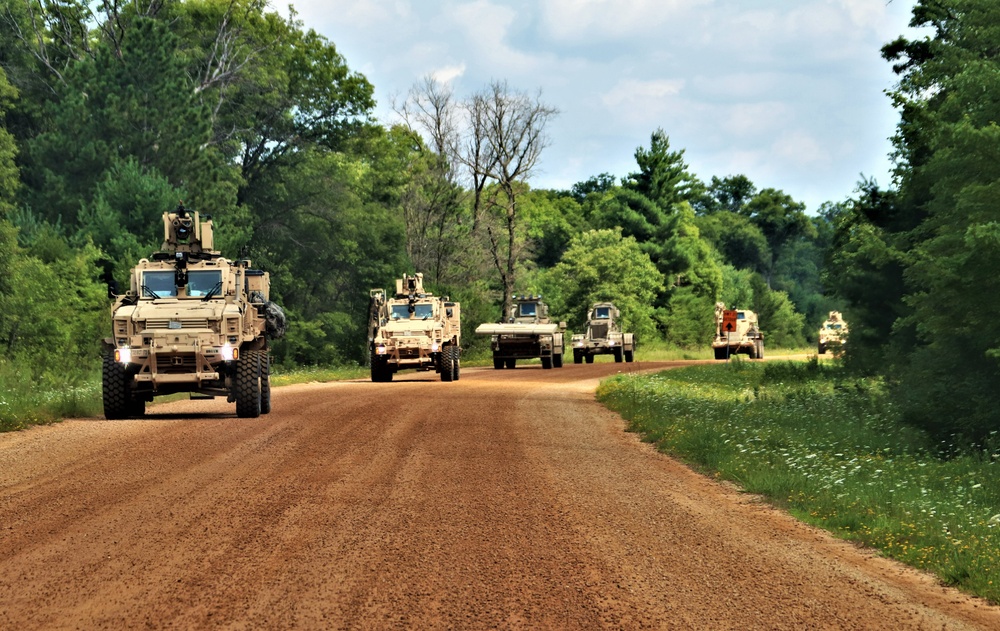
{"x": 832, "y": 451}
{"x": 28, "y": 399}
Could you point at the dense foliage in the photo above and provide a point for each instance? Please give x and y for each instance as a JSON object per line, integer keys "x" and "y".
{"x": 113, "y": 112}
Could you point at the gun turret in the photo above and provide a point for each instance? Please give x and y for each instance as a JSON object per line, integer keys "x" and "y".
{"x": 184, "y": 231}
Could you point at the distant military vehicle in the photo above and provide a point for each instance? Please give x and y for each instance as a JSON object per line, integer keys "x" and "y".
{"x": 736, "y": 331}
{"x": 833, "y": 333}
{"x": 413, "y": 329}
{"x": 603, "y": 337}
{"x": 191, "y": 321}
{"x": 526, "y": 334}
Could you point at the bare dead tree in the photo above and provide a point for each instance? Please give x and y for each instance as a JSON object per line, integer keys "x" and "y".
{"x": 432, "y": 208}
{"x": 505, "y": 140}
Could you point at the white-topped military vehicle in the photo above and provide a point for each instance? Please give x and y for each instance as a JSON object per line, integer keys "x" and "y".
{"x": 832, "y": 334}
{"x": 603, "y": 337}
{"x": 190, "y": 321}
{"x": 526, "y": 334}
{"x": 413, "y": 329}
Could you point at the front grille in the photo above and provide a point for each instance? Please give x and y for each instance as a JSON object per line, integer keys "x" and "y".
{"x": 598, "y": 331}
{"x": 178, "y": 323}
{"x": 176, "y": 364}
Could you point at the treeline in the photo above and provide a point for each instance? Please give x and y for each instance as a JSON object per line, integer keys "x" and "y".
{"x": 114, "y": 114}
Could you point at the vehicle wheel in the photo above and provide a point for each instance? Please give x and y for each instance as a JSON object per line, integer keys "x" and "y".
{"x": 760, "y": 349}
{"x": 446, "y": 364}
{"x": 456, "y": 366}
{"x": 720, "y": 353}
{"x": 821, "y": 349}
{"x": 629, "y": 356}
{"x": 589, "y": 358}
{"x": 753, "y": 350}
{"x": 248, "y": 385}
{"x": 618, "y": 355}
{"x": 497, "y": 363}
{"x": 547, "y": 362}
{"x": 557, "y": 360}
{"x": 265, "y": 383}
{"x": 510, "y": 363}
{"x": 115, "y": 388}
{"x": 577, "y": 357}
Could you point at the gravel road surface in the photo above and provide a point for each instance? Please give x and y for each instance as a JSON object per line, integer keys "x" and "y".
{"x": 508, "y": 499}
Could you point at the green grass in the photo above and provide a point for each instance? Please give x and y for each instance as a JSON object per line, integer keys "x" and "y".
{"x": 830, "y": 450}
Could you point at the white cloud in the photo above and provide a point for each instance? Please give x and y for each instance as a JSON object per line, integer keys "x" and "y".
{"x": 638, "y": 101}
{"x": 447, "y": 74}
{"x": 601, "y": 20}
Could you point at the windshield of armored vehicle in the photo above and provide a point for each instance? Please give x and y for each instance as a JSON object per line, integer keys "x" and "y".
{"x": 834, "y": 327}
{"x": 201, "y": 282}
{"x": 602, "y": 313}
{"x": 423, "y": 311}
{"x": 527, "y": 309}
{"x": 400, "y": 312}
{"x": 158, "y": 284}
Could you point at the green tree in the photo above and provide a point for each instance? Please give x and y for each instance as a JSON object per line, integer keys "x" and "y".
{"x": 603, "y": 265}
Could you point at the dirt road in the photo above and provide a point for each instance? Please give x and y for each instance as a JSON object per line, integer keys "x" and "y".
{"x": 509, "y": 499}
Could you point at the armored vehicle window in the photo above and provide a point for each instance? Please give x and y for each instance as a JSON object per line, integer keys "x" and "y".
{"x": 602, "y": 313}
{"x": 160, "y": 283}
{"x": 200, "y": 282}
{"x": 423, "y": 311}
{"x": 527, "y": 308}
{"x": 400, "y": 312}
{"x": 740, "y": 315}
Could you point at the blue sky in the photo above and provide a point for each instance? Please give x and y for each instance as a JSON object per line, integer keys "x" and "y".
{"x": 790, "y": 93}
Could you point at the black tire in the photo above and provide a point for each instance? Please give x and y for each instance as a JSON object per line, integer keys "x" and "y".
{"x": 822, "y": 349}
{"x": 753, "y": 350}
{"x": 115, "y": 388}
{"x": 497, "y": 363}
{"x": 760, "y": 349}
{"x": 721, "y": 353}
{"x": 547, "y": 362}
{"x": 629, "y": 356}
{"x": 510, "y": 363}
{"x": 380, "y": 371}
{"x": 577, "y": 357}
{"x": 456, "y": 366}
{"x": 588, "y": 358}
{"x": 445, "y": 364}
{"x": 618, "y": 354}
{"x": 248, "y": 385}
{"x": 265, "y": 383}
{"x": 557, "y": 360}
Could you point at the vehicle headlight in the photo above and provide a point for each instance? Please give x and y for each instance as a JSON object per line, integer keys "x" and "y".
{"x": 380, "y": 350}
{"x": 228, "y": 352}
{"x": 434, "y": 347}
{"x": 123, "y": 354}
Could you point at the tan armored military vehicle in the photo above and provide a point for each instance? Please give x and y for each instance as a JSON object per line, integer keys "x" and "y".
{"x": 526, "y": 334}
{"x": 603, "y": 337}
{"x": 736, "y": 331}
{"x": 191, "y": 321}
{"x": 413, "y": 329}
{"x": 833, "y": 333}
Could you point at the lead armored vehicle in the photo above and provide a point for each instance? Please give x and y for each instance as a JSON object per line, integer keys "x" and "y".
{"x": 526, "y": 334}
{"x": 191, "y": 321}
{"x": 604, "y": 336}
{"x": 413, "y": 329}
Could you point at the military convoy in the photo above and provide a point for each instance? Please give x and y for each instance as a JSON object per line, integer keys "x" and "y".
{"x": 190, "y": 321}
{"x": 832, "y": 334}
{"x": 526, "y": 334}
{"x": 413, "y": 329}
{"x": 737, "y": 332}
{"x": 603, "y": 337}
